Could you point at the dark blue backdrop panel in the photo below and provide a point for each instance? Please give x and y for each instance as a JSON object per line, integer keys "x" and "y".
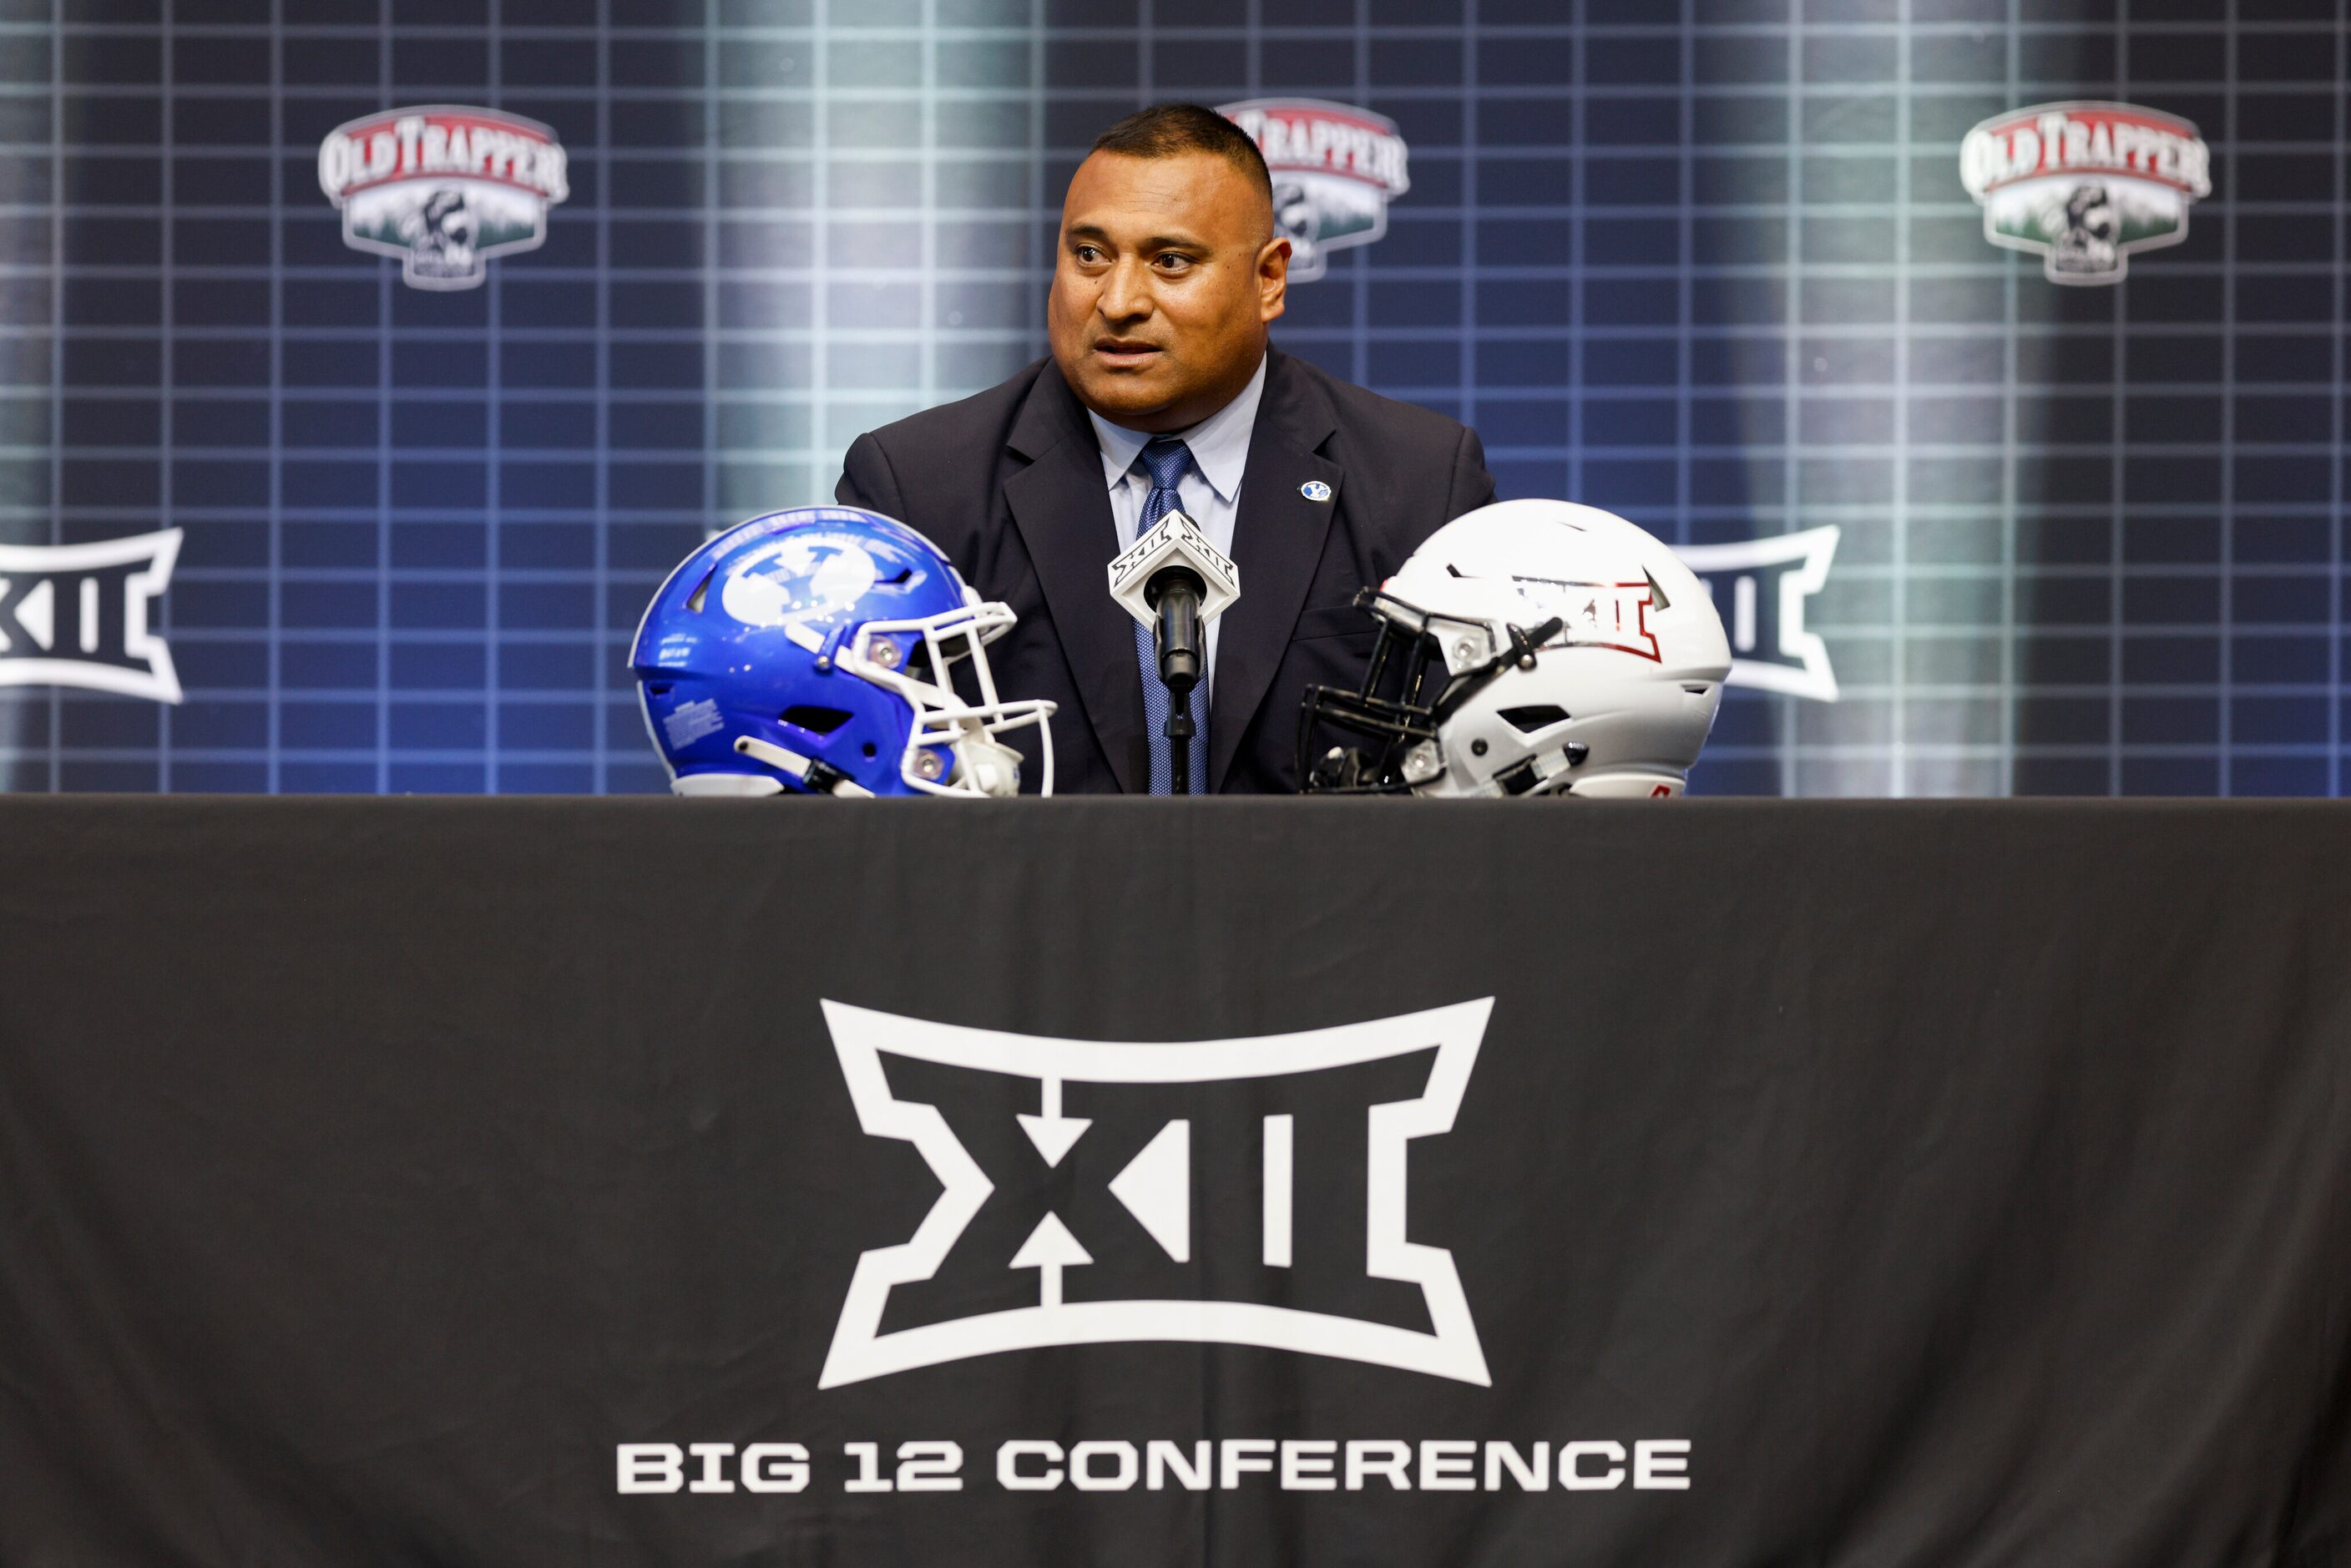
{"x": 1710, "y": 264}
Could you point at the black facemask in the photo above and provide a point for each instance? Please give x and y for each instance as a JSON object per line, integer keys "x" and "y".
{"x": 1405, "y": 696}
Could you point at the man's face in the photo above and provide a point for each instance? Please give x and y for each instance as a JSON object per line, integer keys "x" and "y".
{"x": 1167, "y": 276}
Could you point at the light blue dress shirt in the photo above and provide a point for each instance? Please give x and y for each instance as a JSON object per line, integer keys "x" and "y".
{"x": 1211, "y": 486}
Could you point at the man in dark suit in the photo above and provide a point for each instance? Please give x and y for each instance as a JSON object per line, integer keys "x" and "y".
{"x": 1162, "y": 391}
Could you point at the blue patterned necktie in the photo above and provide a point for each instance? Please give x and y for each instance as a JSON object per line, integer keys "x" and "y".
{"x": 1165, "y": 458}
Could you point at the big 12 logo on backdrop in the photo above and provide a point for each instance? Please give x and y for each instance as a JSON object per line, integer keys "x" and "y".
{"x": 79, "y": 615}
{"x": 1068, "y": 1170}
{"x": 1761, "y": 587}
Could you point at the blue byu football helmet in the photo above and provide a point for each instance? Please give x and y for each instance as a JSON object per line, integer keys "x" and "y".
{"x": 813, "y": 651}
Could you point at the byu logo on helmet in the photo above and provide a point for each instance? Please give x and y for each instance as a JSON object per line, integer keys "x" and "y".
{"x": 816, "y": 652}
{"x": 1067, "y": 1170}
{"x": 804, "y": 578}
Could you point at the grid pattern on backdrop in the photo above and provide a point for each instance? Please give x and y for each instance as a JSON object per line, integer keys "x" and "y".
{"x": 1713, "y": 270}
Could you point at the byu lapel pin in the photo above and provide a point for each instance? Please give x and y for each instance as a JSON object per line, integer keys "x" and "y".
{"x": 1315, "y": 490}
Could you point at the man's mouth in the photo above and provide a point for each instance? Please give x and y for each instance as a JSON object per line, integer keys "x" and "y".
{"x": 1124, "y": 353}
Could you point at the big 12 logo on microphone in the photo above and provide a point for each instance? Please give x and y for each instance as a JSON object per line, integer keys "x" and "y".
{"x": 1069, "y": 1168}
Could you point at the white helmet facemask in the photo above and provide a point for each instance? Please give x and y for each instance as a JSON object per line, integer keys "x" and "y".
{"x": 1527, "y": 648}
{"x": 945, "y": 726}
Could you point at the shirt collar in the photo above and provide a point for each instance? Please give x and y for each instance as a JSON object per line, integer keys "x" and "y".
{"x": 1219, "y": 442}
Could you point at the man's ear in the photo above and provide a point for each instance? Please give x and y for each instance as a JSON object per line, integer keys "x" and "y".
{"x": 1272, "y": 277}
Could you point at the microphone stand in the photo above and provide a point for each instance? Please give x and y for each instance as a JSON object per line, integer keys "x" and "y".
{"x": 1174, "y": 582}
{"x": 1174, "y": 594}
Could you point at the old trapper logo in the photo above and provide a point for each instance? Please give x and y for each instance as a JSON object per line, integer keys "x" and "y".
{"x": 76, "y": 615}
{"x": 1070, "y": 1171}
{"x": 1335, "y": 169}
{"x": 443, "y": 189}
{"x": 2086, "y": 183}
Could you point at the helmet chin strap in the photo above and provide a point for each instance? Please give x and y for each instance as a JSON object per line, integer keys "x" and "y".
{"x": 1530, "y": 775}
{"x": 987, "y": 766}
{"x": 818, "y": 776}
{"x": 1354, "y": 770}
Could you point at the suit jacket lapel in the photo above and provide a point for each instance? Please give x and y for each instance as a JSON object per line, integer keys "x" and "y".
{"x": 1061, "y": 506}
{"x": 1277, "y": 541}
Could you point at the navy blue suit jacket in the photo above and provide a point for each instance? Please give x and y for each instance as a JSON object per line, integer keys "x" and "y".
{"x": 1009, "y": 485}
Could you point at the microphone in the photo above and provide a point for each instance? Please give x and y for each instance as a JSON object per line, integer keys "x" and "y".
{"x": 1174, "y": 582}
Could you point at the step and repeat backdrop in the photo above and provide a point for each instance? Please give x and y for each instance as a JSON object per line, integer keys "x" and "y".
{"x": 363, "y": 366}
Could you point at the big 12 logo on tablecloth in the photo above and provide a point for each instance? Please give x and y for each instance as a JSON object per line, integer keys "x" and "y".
{"x": 1066, "y": 1212}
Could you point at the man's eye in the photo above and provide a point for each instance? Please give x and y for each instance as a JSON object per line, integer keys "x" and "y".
{"x": 1087, "y": 253}
{"x": 1169, "y": 261}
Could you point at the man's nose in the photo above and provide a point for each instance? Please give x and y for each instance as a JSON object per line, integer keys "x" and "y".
{"x": 1126, "y": 293}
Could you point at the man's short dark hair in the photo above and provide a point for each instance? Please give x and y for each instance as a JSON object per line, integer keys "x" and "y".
{"x": 1170, "y": 130}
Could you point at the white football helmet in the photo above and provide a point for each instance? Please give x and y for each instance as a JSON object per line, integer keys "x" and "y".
{"x": 1527, "y": 648}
